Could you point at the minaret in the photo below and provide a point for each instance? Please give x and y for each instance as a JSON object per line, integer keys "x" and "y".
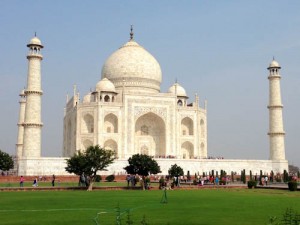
{"x": 276, "y": 132}
{"x": 19, "y": 145}
{"x": 32, "y": 123}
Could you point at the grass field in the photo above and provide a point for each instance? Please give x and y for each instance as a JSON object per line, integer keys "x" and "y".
{"x": 184, "y": 207}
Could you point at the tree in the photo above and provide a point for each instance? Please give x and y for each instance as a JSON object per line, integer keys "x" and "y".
{"x": 142, "y": 165}
{"x": 6, "y": 161}
{"x": 176, "y": 171}
{"x": 91, "y": 161}
{"x": 293, "y": 169}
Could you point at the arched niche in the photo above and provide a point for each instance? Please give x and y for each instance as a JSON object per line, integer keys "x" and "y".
{"x": 111, "y": 123}
{"x": 187, "y": 126}
{"x": 187, "y": 150}
{"x": 87, "y": 143}
{"x": 202, "y": 128}
{"x": 150, "y": 135}
{"x": 111, "y": 145}
{"x": 202, "y": 151}
{"x": 68, "y": 140}
{"x": 87, "y": 124}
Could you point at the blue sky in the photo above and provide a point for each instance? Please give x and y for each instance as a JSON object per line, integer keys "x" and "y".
{"x": 218, "y": 49}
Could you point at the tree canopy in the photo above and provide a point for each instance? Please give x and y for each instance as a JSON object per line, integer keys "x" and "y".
{"x": 142, "y": 165}
{"x": 6, "y": 161}
{"x": 89, "y": 162}
{"x": 175, "y": 171}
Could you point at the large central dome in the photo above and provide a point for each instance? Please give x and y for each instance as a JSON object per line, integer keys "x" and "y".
{"x": 133, "y": 68}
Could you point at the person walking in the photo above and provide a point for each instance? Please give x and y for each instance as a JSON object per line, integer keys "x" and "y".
{"x": 22, "y": 181}
{"x": 266, "y": 180}
{"x": 217, "y": 181}
{"x": 35, "y": 182}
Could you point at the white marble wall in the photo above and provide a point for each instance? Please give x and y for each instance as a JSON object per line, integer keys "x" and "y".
{"x": 49, "y": 166}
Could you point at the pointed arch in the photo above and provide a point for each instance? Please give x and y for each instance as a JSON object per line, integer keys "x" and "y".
{"x": 68, "y": 138}
{"x": 202, "y": 128}
{"x": 144, "y": 150}
{"x": 86, "y": 143}
{"x": 150, "y": 135}
{"x": 187, "y": 149}
{"x": 202, "y": 151}
{"x": 111, "y": 145}
{"x": 179, "y": 102}
{"x": 187, "y": 126}
{"x": 87, "y": 125}
{"x": 106, "y": 98}
{"x": 111, "y": 123}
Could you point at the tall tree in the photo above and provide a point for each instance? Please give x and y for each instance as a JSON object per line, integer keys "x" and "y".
{"x": 176, "y": 171}
{"x": 91, "y": 161}
{"x": 6, "y": 161}
{"x": 142, "y": 165}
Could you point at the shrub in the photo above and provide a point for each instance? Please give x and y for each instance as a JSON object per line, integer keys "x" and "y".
{"x": 110, "y": 178}
{"x": 147, "y": 180}
{"x": 162, "y": 183}
{"x": 290, "y": 217}
{"x": 222, "y": 182}
{"x": 292, "y": 185}
{"x": 278, "y": 178}
{"x": 252, "y": 183}
{"x": 243, "y": 176}
{"x": 98, "y": 178}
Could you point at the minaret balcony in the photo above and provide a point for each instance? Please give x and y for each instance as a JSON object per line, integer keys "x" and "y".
{"x": 32, "y": 124}
{"x": 275, "y": 106}
{"x": 276, "y": 133}
{"x": 33, "y": 92}
{"x": 34, "y": 56}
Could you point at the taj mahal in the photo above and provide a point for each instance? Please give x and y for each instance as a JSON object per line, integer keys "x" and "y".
{"x": 127, "y": 113}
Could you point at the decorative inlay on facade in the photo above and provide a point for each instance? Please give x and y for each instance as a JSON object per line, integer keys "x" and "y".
{"x": 110, "y": 112}
{"x": 119, "y": 82}
{"x": 139, "y": 111}
{"x": 84, "y": 113}
{"x": 187, "y": 116}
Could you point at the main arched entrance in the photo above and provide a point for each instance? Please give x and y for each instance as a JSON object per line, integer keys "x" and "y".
{"x": 150, "y": 135}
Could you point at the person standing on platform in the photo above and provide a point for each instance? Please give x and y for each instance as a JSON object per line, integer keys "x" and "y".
{"x": 53, "y": 180}
{"x": 22, "y": 181}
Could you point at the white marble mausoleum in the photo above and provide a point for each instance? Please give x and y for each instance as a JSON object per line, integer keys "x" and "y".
{"x": 128, "y": 113}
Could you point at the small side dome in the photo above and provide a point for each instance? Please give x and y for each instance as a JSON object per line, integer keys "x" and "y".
{"x": 105, "y": 85}
{"x": 35, "y": 41}
{"x": 87, "y": 98}
{"x": 176, "y": 88}
{"x": 274, "y": 64}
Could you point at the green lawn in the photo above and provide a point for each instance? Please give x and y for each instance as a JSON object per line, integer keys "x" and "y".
{"x": 184, "y": 207}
